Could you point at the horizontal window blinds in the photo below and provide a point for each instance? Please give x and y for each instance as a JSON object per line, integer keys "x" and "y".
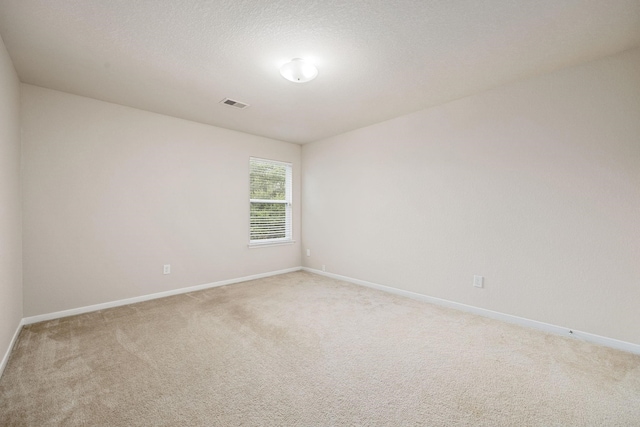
{"x": 270, "y": 200}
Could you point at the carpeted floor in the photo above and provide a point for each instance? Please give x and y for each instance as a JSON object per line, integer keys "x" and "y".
{"x": 304, "y": 350}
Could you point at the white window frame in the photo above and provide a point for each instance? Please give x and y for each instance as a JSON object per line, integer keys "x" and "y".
{"x": 288, "y": 202}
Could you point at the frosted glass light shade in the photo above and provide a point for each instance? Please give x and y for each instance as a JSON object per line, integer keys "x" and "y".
{"x": 299, "y": 71}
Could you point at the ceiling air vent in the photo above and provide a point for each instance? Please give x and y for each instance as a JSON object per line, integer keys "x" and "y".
{"x": 234, "y": 104}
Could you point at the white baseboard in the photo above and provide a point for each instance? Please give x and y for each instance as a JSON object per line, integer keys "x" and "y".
{"x": 127, "y": 301}
{"x": 546, "y": 327}
{"x": 5, "y": 358}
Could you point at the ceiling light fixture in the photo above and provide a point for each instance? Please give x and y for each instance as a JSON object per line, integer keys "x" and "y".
{"x": 299, "y": 71}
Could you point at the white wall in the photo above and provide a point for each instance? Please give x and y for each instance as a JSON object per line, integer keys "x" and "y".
{"x": 112, "y": 193}
{"x": 535, "y": 186}
{"x": 10, "y": 204}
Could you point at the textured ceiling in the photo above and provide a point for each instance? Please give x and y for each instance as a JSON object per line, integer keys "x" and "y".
{"x": 377, "y": 59}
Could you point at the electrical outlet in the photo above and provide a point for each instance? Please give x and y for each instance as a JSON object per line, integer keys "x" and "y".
{"x": 166, "y": 269}
{"x": 308, "y": 252}
{"x": 478, "y": 281}
{"x": 324, "y": 267}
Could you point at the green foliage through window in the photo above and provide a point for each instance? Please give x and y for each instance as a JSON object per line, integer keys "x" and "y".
{"x": 268, "y": 180}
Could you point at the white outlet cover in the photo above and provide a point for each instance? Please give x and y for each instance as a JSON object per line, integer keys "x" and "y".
{"x": 478, "y": 281}
{"x": 166, "y": 269}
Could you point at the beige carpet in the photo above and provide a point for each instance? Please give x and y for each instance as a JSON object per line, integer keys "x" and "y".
{"x": 303, "y": 350}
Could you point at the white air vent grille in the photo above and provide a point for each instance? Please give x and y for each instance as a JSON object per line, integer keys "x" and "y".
{"x": 235, "y": 104}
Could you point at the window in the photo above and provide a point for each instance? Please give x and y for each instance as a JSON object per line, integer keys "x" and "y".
{"x": 270, "y": 202}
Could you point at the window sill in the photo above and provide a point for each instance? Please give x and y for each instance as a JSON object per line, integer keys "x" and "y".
{"x": 265, "y": 244}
